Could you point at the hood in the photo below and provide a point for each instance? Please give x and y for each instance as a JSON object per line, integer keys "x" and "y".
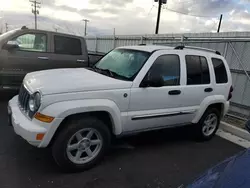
{"x": 71, "y": 80}
{"x": 232, "y": 173}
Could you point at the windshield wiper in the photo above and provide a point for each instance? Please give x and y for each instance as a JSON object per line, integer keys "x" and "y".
{"x": 103, "y": 70}
{"x": 119, "y": 76}
{"x": 110, "y": 73}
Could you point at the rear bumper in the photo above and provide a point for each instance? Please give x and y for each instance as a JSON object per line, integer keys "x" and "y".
{"x": 226, "y": 108}
{"x": 23, "y": 126}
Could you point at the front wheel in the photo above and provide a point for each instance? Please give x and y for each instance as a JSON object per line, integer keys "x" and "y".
{"x": 81, "y": 144}
{"x": 208, "y": 124}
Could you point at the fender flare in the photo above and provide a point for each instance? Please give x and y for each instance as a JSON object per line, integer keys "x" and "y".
{"x": 207, "y": 102}
{"x": 61, "y": 110}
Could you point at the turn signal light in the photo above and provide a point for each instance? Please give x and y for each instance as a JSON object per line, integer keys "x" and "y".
{"x": 43, "y": 118}
{"x": 230, "y": 93}
{"x": 40, "y": 136}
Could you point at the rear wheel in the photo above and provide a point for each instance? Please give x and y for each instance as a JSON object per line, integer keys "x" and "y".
{"x": 81, "y": 144}
{"x": 208, "y": 124}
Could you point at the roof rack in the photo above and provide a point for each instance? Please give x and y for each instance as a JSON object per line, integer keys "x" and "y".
{"x": 197, "y": 48}
{"x": 24, "y": 27}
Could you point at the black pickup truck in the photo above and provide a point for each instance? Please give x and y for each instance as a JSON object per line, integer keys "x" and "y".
{"x": 26, "y": 50}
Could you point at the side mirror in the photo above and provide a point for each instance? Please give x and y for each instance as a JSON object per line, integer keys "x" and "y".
{"x": 10, "y": 45}
{"x": 152, "y": 81}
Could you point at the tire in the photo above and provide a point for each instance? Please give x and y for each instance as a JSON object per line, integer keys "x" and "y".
{"x": 203, "y": 133}
{"x": 75, "y": 142}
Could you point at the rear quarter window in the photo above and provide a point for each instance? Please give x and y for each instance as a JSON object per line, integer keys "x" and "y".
{"x": 220, "y": 71}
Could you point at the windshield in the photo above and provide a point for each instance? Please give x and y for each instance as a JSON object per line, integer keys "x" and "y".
{"x": 123, "y": 62}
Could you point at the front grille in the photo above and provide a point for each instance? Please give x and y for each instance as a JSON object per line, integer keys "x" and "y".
{"x": 23, "y": 99}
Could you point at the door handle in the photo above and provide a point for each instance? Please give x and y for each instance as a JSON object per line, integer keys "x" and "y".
{"x": 80, "y": 61}
{"x": 43, "y": 58}
{"x": 208, "y": 89}
{"x": 174, "y": 92}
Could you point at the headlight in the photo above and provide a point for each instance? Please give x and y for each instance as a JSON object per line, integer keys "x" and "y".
{"x": 35, "y": 102}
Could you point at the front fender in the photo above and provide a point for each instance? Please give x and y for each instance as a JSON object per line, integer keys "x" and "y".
{"x": 209, "y": 101}
{"x": 61, "y": 110}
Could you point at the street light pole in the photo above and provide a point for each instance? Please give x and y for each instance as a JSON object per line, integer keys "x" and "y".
{"x": 218, "y": 30}
{"x": 159, "y": 14}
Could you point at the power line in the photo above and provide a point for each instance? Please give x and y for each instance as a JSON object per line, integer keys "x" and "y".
{"x": 35, "y": 10}
{"x": 202, "y": 16}
{"x": 151, "y": 9}
{"x": 213, "y": 26}
{"x": 189, "y": 3}
{"x": 194, "y": 15}
{"x": 6, "y": 27}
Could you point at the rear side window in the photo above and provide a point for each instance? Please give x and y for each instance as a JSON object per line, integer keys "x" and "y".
{"x": 168, "y": 68}
{"x": 197, "y": 70}
{"x": 220, "y": 71}
{"x": 67, "y": 45}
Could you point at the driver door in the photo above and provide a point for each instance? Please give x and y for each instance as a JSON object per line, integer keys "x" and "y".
{"x": 31, "y": 55}
{"x": 158, "y": 106}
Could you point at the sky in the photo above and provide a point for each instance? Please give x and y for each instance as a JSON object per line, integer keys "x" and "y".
{"x": 128, "y": 16}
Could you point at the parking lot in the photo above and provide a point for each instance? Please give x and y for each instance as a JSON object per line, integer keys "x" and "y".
{"x": 159, "y": 159}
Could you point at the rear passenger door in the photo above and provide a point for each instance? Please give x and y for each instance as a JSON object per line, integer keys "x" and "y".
{"x": 198, "y": 82}
{"x": 67, "y": 52}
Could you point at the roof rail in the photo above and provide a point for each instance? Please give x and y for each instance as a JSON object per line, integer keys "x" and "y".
{"x": 197, "y": 48}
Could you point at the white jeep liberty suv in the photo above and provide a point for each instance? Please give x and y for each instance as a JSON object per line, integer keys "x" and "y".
{"x": 131, "y": 89}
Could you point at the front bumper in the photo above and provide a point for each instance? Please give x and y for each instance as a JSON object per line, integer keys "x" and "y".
{"x": 23, "y": 126}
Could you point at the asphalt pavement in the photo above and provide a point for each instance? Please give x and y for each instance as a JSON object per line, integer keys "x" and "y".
{"x": 159, "y": 159}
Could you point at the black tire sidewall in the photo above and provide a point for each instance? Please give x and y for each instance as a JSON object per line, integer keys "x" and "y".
{"x": 60, "y": 145}
{"x": 199, "y": 132}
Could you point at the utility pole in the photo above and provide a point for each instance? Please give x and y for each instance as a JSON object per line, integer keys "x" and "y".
{"x": 55, "y": 28}
{"x": 160, "y": 2}
{"x": 6, "y": 27}
{"x": 35, "y": 10}
{"x": 218, "y": 30}
{"x": 85, "y": 30}
{"x": 114, "y": 42}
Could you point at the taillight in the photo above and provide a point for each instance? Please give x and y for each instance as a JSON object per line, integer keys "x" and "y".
{"x": 230, "y": 93}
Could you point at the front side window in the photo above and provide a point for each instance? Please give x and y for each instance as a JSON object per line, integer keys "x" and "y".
{"x": 123, "y": 63}
{"x": 32, "y": 42}
{"x": 220, "y": 71}
{"x": 67, "y": 45}
{"x": 197, "y": 70}
{"x": 167, "y": 68}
